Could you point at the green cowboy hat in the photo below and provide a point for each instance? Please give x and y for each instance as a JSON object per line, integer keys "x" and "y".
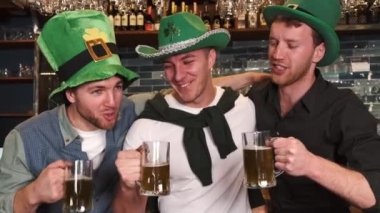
{"x": 183, "y": 32}
{"x": 80, "y": 46}
{"x": 321, "y": 15}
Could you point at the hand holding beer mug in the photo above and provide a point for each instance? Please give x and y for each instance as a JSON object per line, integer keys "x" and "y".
{"x": 155, "y": 168}
{"x": 78, "y": 187}
{"x": 259, "y": 160}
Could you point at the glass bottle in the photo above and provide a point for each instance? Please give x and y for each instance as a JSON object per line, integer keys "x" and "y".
{"x": 352, "y": 14}
{"x": 261, "y": 21}
{"x": 132, "y": 18}
{"x": 149, "y": 19}
{"x": 140, "y": 18}
{"x": 239, "y": 14}
{"x": 111, "y": 12}
{"x": 195, "y": 7}
{"x": 158, "y": 11}
{"x": 362, "y": 12}
{"x": 251, "y": 17}
{"x": 375, "y": 12}
{"x": 206, "y": 16}
{"x": 228, "y": 22}
{"x": 124, "y": 19}
{"x": 117, "y": 19}
{"x": 217, "y": 21}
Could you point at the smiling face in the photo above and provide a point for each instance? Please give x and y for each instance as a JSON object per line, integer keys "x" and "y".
{"x": 189, "y": 74}
{"x": 95, "y": 105}
{"x": 292, "y": 53}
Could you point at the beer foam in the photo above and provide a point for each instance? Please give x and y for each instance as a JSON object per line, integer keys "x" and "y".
{"x": 254, "y": 147}
{"x": 155, "y": 164}
{"x": 79, "y": 177}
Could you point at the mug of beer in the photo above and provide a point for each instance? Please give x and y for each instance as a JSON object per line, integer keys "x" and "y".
{"x": 155, "y": 168}
{"x": 259, "y": 160}
{"x": 78, "y": 187}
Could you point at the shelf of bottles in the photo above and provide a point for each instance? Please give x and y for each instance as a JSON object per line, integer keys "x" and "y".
{"x": 145, "y": 15}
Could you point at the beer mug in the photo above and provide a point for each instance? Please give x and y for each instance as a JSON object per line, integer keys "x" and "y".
{"x": 259, "y": 160}
{"x": 155, "y": 168}
{"x": 78, "y": 187}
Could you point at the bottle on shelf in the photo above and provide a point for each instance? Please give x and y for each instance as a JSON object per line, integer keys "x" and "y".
{"x": 157, "y": 15}
{"x": 206, "y": 16}
{"x": 111, "y": 12}
{"x": 228, "y": 22}
{"x": 140, "y": 18}
{"x": 195, "y": 8}
{"x": 261, "y": 20}
{"x": 216, "y": 21}
{"x": 117, "y": 19}
{"x": 183, "y": 6}
{"x": 362, "y": 12}
{"x": 172, "y": 7}
{"x": 251, "y": 16}
{"x": 375, "y": 12}
{"x": 239, "y": 14}
{"x": 352, "y": 13}
{"x": 132, "y": 18}
{"x": 124, "y": 19}
{"x": 149, "y": 24}
{"x": 343, "y": 13}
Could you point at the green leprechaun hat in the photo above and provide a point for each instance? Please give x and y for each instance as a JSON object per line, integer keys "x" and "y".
{"x": 184, "y": 32}
{"x": 321, "y": 15}
{"x": 80, "y": 46}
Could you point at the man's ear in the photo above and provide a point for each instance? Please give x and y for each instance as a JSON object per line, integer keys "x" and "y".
{"x": 211, "y": 58}
{"x": 319, "y": 52}
{"x": 70, "y": 95}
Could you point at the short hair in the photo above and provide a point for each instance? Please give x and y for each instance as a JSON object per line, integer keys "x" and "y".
{"x": 290, "y": 21}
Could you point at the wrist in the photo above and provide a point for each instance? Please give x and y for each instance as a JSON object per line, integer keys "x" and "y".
{"x": 26, "y": 199}
{"x": 129, "y": 186}
{"x": 32, "y": 195}
{"x": 314, "y": 172}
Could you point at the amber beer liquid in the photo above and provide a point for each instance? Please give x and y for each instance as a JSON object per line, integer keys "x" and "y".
{"x": 78, "y": 195}
{"x": 155, "y": 180}
{"x": 259, "y": 167}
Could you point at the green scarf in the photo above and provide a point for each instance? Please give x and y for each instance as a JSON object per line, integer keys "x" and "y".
{"x": 194, "y": 139}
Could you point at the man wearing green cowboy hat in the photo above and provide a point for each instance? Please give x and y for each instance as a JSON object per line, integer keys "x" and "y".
{"x": 327, "y": 140}
{"x": 202, "y": 122}
{"x": 91, "y": 124}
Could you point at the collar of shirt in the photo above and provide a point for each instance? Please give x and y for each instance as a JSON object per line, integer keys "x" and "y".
{"x": 68, "y": 132}
{"x": 307, "y": 103}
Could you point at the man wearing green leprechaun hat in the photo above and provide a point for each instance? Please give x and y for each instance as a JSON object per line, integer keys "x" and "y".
{"x": 202, "y": 122}
{"x": 327, "y": 141}
{"x": 91, "y": 124}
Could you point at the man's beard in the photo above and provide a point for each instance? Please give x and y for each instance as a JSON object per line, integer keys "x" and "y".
{"x": 98, "y": 122}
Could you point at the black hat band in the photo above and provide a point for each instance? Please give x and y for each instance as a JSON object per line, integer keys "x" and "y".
{"x": 66, "y": 70}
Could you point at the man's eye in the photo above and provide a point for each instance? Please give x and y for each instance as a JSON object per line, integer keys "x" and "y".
{"x": 166, "y": 67}
{"x": 272, "y": 43}
{"x": 119, "y": 87}
{"x": 188, "y": 61}
{"x": 96, "y": 92}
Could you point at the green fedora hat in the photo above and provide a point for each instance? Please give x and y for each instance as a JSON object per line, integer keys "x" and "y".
{"x": 183, "y": 32}
{"x": 321, "y": 15}
{"x": 80, "y": 46}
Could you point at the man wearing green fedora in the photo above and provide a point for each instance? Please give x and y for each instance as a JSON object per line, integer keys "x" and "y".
{"x": 327, "y": 142}
{"x": 202, "y": 122}
{"x": 90, "y": 124}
